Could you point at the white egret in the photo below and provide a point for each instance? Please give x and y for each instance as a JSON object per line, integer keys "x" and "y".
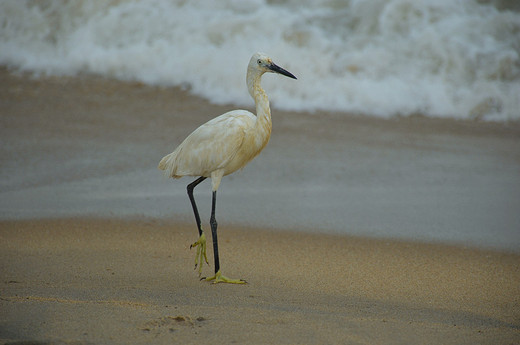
{"x": 220, "y": 147}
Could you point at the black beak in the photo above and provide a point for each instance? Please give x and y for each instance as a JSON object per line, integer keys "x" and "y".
{"x": 278, "y": 69}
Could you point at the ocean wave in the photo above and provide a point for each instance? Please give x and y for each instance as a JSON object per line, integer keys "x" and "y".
{"x": 440, "y": 58}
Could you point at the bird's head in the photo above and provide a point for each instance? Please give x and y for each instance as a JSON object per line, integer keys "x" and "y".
{"x": 262, "y": 63}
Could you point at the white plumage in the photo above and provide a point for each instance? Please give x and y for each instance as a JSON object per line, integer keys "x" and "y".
{"x": 220, "y": 146}
{"x": 223, "y": 145}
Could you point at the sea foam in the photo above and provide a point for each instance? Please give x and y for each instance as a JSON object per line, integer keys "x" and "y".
{"x": 440, "y": 58}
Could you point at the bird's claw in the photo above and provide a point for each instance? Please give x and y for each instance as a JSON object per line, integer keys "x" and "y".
{"x": 219, "y": 278}
{"x": 201, "y": 252}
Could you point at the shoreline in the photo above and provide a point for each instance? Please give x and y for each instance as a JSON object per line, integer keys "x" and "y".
{"x": 86, "y": 145}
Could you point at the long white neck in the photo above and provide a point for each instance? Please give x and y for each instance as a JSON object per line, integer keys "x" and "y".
{"x": 263, "y": 111}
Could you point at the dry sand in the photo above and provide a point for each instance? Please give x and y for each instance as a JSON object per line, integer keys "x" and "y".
{"x": 132, "y": 282}
{"x": 85, "y": 260}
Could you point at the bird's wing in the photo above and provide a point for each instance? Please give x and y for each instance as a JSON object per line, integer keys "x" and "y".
{"x": 214, "y": 144}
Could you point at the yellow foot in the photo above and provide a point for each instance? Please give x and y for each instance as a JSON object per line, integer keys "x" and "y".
{"x": 219, "y": 278}
{"x": 201, "y": 252}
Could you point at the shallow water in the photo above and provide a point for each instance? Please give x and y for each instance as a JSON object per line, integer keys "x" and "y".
{"x": 82, "y": 147}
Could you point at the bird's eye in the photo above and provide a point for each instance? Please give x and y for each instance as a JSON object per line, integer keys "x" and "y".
{"x": 259, "y": 61}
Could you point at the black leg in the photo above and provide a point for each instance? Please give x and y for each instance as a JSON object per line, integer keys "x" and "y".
{"x": 190, "y": 188}
{"x": 213, "y": 222}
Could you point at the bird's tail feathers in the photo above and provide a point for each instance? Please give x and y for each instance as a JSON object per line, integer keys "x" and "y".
{"x": 168, "y": 165}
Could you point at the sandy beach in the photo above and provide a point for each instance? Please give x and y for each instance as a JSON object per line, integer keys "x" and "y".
{"x": 132, "y": 282}
{"x": 348, "y": 230}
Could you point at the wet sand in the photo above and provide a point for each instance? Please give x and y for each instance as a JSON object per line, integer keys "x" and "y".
{"x": 90, "y": 147}
{"x": 95, "y": 245}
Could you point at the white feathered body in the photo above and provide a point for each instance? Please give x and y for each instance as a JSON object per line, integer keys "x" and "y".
{"x": 222, "y": 145}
